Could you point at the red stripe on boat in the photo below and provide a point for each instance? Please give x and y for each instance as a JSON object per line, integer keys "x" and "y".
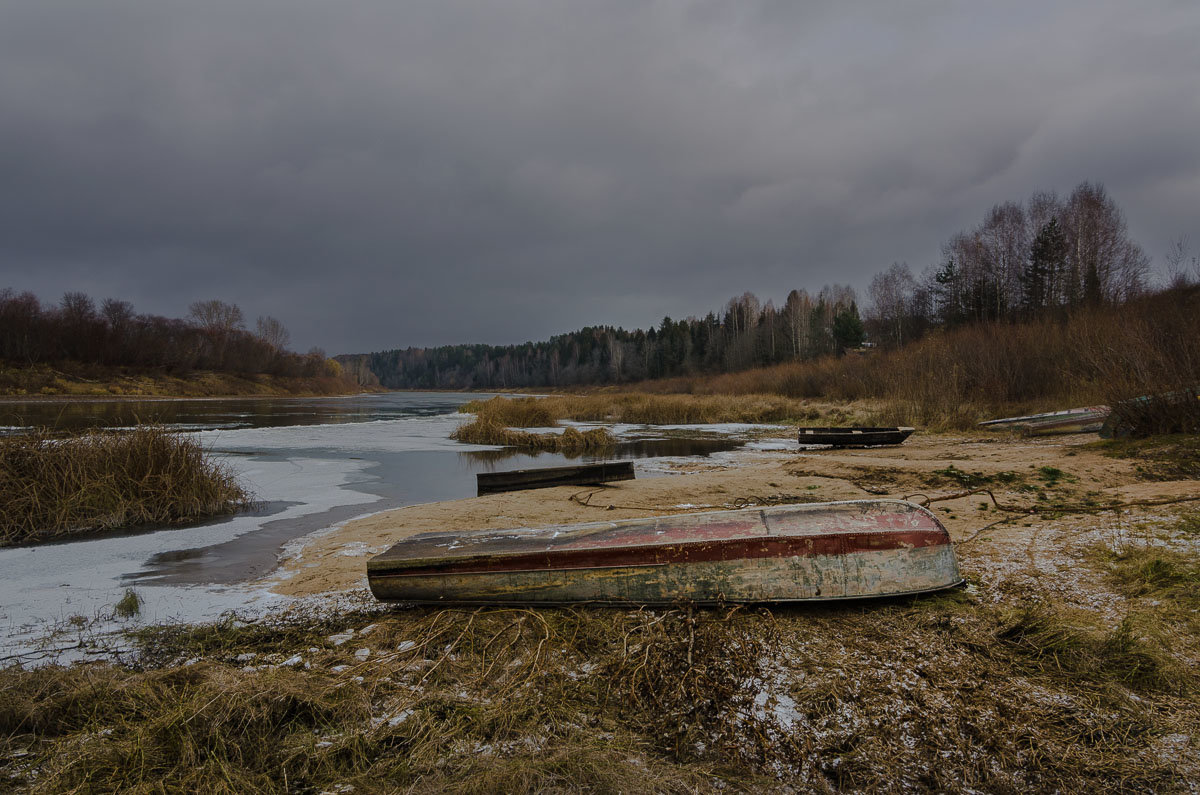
{"x": 695, "y": 552}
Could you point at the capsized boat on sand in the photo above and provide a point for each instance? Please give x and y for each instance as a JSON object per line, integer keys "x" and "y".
{"x": 790, "y": 553}
{"x": 1088, "y": 419}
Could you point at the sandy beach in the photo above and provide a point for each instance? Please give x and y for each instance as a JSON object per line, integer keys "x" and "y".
{"x": 1019, "y": 472}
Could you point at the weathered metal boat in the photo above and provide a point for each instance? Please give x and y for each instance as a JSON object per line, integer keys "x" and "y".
{"x": 791, "y": 553}
{"x": 854, "y": 437}
{"x": 545, "y": 477}
{"x": 1088, "y": 419}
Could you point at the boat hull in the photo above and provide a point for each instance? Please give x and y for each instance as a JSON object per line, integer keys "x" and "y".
{"x": 1082, "y": 420}
{"x": 548, "y": 477}
{"x": 854, "y": 437}
{"x": 824, "y": 552}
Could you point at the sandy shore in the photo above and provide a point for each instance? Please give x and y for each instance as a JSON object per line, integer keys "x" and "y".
{"x": 335, "y": 561}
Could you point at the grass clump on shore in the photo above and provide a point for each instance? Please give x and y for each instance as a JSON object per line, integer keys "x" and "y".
{"x": 497, "y": 419}
{"x": 571, "y": 440}
{"x": 53, "y": 486}
{"x": 945, "y": 693}
{"x": 644, "y": 408}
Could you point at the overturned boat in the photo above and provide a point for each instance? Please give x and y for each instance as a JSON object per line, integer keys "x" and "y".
{"x": 547, "y": 477}
{"x": 1087, "y": 419}
{"x": 790, "y": 553}
{"x": 854, "y": 437}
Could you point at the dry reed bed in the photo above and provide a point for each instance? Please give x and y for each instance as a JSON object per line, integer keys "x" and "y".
{"x": 55, "y": 485}
{"x": 987, "y": 692}
{"x": 497, "y": 418}
{"x": 952, "y": 379}
{"x": 642, "y": 408}
{"x": 484, "y": 430}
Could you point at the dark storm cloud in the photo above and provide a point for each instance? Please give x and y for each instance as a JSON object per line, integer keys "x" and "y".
{"x": 380, "y": 174}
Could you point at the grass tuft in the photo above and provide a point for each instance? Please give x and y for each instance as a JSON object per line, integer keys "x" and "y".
{"x": 571, "y": 440}
{"x": 128, "y": 605}
{"x": 1057, "y": 640}
{"x": 55, "y": 486}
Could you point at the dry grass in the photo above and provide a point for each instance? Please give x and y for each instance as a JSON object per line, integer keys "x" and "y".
{"x": 652, "y": 409}
{"x": 954, "y": 378}
{"x": 53, "y": 486}
{"x": 1170, "y": 457}
{"x": 74, "y": 379}
{"x": 945, "y": 693}
{"x": 496, "y": 418}
{"x": 571, "y": 440}
{"x": 527, "y": 412}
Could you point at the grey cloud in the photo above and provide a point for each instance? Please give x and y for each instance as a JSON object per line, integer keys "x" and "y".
{"x": 381, "y": 174}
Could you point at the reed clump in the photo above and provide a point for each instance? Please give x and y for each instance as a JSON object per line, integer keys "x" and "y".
{"x": 485, "y": 430}
{"x": 642, "y": 408}
{"x": 53, "y": 485}
{"x": 529, "y": 412}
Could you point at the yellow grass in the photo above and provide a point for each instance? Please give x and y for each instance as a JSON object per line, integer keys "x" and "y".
{"x": 656, "y": 409}
{"x": 54, "y": 486}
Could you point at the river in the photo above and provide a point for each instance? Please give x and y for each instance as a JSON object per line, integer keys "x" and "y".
{"x": 311, "y": 463}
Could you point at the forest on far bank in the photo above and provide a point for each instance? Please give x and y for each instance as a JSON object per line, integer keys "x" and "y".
{"x": 1046, "y": 258}
{"x": 111, "y": 341}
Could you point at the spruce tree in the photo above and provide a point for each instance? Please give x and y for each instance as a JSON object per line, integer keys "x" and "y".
{"x": 1047, "y": 259}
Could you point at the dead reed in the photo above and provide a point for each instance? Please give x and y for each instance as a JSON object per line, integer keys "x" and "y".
{"x": 527, "y": 412}
{"x": 54, "y": 485}
{"x": 642, "y": 408}
{"x": 945, "y": 693}
{"x": 956, "y": 377}
{"x": 571, "y": 441}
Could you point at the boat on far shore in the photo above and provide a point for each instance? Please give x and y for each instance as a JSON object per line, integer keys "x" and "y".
{"x": 854, "y": 437}
{"x": 790, "y": 553}
{"x": 1088, "y": 419}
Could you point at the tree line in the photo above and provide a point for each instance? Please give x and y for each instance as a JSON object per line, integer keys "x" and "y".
{"x": 1047, "y": 256}
{"x": 747, "y": 333}
{"x": 213, "y": 337}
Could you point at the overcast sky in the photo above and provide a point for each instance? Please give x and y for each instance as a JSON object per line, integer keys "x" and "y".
{"x": 388, "y": 173}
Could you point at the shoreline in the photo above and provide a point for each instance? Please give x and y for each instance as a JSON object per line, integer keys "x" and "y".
{"x": 152, "y": 398}
{"x": 334, "y": 560}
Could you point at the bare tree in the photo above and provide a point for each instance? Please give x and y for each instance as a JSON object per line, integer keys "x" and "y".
{"x": 1180, "y": 261}
{"x": 797, "y": 318}
{"x": 272, "y": 332}
{"x": 118, "y": 314}
{"x": 891, "y": 299}
{"x": 217, "y": 316}
{"x": 1103, "y": 264}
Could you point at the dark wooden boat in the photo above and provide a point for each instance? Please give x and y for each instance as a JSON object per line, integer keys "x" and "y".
{"x": 854, "y": 437}
{"x": 581, "y": 475}
{"x": 828, "y": 551}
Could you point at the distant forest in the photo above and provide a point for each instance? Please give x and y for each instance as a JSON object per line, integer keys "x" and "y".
{"x": 213, "y": 337}
{"x": 1046, "y": 257}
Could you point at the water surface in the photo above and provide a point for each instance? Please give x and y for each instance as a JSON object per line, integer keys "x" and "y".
{"x": 310, "y": 462}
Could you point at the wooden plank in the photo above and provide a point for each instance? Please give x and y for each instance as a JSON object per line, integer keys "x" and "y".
{"x": 545, "y": 477}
